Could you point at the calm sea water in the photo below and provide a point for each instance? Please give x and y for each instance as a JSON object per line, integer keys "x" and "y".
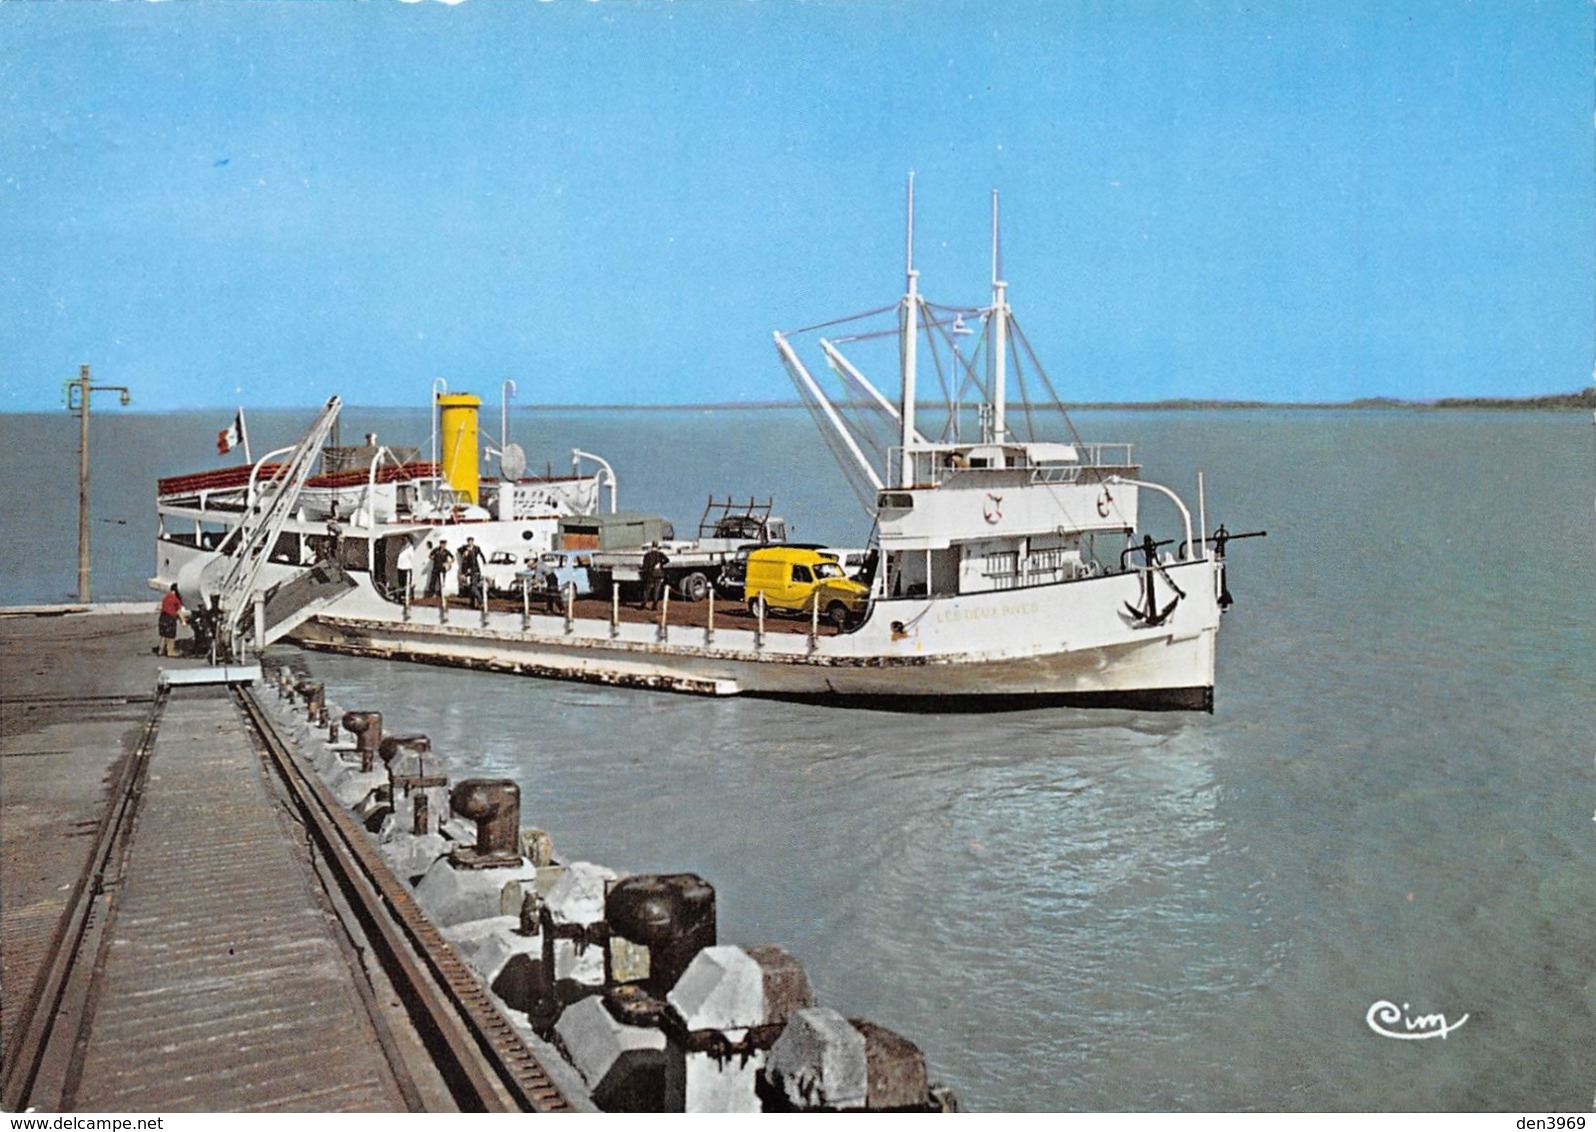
{"x": 1090, "y": 910}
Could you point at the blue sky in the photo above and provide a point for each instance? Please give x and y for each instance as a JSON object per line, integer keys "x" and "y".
{"x": 264, "y": 204}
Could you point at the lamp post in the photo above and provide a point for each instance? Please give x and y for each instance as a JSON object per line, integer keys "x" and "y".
{"x": 77, "y": 401}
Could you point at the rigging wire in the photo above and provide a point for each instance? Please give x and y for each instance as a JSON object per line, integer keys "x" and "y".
{"x": 1019, "y": 335}
{"x": 840, "y": 321}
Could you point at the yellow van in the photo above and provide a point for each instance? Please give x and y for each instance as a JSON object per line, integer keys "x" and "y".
{"x": 793, "y": 581}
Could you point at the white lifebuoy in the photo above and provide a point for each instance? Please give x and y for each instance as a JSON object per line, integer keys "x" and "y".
{"x": 1103, "y": 502}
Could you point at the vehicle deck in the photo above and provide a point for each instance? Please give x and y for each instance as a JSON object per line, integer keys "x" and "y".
{"x": 728, "y": 614}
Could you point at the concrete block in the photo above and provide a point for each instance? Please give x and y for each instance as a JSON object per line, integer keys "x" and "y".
{"x": 722, "y": 989}
{"x": 349, "y": 786}
{"x": 411, "y": 857}
{"x": 510, "y": 898}
{"x": 725, "y": 1012}
{"x": 896, "y": 1067}
{"x": 522, "y": 983}
{"x": 729, "y": 988}
{"x": 324, "y": 762}
{"x": 785, "y": 981}
{"x": 572, "y": 919}
{"x": 703, "y": 1082}
{"x": 452, "y": 896}
{"x": 819, "y": 1062}
{"x": 488, "y": 944}
{"x": 537, "y": 846}
{"x": 577, "y": 895}
{"x": 623, "y": 1066}
{"x": 629, "y": 962}
{"x": 371, "y": 810}
{"x": 509, "y": 960}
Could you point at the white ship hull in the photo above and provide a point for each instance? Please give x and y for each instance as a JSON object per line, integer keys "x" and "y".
{"x": 1049, "y": 644}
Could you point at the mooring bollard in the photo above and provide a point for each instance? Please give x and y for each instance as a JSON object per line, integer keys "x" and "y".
{"x": 315, "y": 695}
{"x": 366, "y": 727}
{"x": 390, "y": 746}
{"x": 410, "y": 779}
{"x": 495, "y": 805}
{"x": 668, "y": 919}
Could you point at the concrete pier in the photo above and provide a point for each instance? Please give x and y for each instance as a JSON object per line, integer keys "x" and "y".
{"x": 223, "y": 983}
{"x": 75, "y": 691}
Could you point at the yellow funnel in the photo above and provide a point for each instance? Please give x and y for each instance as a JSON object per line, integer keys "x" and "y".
{"x": 457, "y": 425}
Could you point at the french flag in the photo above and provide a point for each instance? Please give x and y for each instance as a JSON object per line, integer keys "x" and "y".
{"x": 232, "y": 436}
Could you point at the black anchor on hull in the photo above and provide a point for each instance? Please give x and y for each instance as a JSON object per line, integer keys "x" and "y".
{"x": 1152, "y": 616}
{"x": 1221, "y": 537}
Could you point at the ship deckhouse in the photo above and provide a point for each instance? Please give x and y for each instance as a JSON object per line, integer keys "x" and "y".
{"x": 961, "y": 516}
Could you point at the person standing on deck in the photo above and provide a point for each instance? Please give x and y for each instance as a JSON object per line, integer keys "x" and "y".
{"x": 405, "y": 563}
{"x": 166, "y": 624}
{"x": 441, "y": 559}
{"x": 654, "y": 563}
{"x": 470, "y": 570}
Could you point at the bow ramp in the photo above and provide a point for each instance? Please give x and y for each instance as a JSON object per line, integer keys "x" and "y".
{"x": 290, "y": 604}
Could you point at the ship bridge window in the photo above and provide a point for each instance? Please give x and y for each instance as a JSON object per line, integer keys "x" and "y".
{"x": 895, "y": 501}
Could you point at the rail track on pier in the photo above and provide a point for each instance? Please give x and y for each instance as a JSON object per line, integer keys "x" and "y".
{"x": 433, "y": 1032}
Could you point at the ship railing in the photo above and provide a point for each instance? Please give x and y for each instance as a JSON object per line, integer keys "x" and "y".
{"x": 930, "y": 464}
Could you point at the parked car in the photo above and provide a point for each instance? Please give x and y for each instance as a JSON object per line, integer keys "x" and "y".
{"x": 797, "y": 580}
{"x": 558, "y": 569}
{"x": 500, "y": 572}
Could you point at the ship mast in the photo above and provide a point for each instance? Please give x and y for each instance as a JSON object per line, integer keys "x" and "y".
{"x": 911, "y": 332}
{"x": 1000, "y": 337}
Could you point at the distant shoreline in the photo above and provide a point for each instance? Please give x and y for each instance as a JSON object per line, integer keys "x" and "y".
{"x": 1584, "y": 399}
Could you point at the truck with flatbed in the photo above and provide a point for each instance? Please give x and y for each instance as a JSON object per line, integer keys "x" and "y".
{"x": 693, "y": 566}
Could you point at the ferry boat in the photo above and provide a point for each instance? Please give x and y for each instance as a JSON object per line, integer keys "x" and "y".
{"x": 1004, "y": 571}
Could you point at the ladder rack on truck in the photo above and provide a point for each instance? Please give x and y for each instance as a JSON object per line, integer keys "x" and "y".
{"x": 694, "y": 566}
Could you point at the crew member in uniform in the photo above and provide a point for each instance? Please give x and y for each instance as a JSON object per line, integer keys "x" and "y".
{"x": 441, "y": 559}
{"x": 654, "y": 563}
{"x": 470, "y": 571}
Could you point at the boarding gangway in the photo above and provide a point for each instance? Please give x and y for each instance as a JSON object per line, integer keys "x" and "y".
{"x": 266, "y": 512}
